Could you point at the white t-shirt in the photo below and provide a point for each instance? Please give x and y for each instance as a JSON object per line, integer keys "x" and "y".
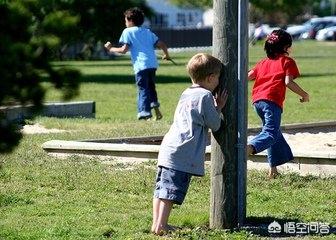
{"x": 183, "y": 147}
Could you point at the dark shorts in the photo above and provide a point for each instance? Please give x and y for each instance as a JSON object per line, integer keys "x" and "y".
{"x": 171, "y": 184}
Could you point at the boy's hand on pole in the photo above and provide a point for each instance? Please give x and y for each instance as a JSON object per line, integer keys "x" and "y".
{"x": 221, "y": 99}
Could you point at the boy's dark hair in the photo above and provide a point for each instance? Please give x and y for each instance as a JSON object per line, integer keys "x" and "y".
{"x": 277, "y": 43}
{"x": 135, "y": 15}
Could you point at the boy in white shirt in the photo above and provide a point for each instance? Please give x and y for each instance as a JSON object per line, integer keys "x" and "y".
{"x": 182, "y": 152}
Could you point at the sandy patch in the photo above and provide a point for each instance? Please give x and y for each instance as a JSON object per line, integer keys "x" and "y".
{"x": 39, "y": 129}
{"x": 325, "y": 142}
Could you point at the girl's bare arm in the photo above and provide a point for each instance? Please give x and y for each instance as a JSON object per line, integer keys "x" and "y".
{"x": 296, "y": 89}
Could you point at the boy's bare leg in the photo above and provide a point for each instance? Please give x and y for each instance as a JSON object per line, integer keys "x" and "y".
{"x": 156, "y": 208}
{"x": 273, "y": 172}
{"x": 162, "y": 218}
{"x": 158, "y": 114}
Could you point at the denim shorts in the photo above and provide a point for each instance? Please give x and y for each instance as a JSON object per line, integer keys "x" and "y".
{"x": 171, "y": 184}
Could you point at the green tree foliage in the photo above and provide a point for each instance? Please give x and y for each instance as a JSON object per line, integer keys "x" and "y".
{"x": 282, "y": 11}
{"x": 193, "y": 3}
{"x": 30, "y": 33}
{"x": 28, "y": 36}
{"x": 103, "y": 19}
{"x": 98, "y": 20}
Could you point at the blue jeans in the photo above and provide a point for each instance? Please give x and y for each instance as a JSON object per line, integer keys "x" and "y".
{"x": 271, "y": 138}
{"x": 147, "y": 96}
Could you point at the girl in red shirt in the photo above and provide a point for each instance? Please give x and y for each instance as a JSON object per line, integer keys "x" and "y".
{"x": 273, "y": 75}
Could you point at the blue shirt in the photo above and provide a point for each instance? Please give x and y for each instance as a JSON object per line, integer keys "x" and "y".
{"x": 183, "y": 147}
{"x": 141, "y": 42}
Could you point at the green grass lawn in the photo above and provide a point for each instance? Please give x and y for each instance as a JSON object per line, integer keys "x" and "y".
{"x": 42, "y": 197}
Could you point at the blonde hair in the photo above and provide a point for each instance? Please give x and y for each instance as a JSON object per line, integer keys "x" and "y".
{"x": 202, "y": 65}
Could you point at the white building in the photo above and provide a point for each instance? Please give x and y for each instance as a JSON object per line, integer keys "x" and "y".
{"x": 171, "y": 16}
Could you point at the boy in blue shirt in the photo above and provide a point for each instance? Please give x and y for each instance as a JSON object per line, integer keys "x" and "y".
{"x": 141, "y": 42}
{"x": 182, "y": 151}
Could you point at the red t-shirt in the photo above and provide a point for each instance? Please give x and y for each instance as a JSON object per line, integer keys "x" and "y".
{"x": 270, "y": 79}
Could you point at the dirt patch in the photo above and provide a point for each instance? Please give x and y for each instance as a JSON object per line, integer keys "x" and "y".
{"x": 39, "y": 129}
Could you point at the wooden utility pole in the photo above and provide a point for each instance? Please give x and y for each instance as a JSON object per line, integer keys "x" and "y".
{"x": 228, "y": 155}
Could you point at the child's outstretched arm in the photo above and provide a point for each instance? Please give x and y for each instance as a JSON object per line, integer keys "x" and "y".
{"x": 297, "y": 89}
{"x": 251, "y": 75}
{"x": 123, "y": 49}
{"x": 160, "y": 44}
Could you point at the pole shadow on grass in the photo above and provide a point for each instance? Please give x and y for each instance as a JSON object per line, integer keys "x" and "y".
{"x": 94, "y": 65}
{"x": 310, "y": 75}
{"x": 314, "y": 57}
{"x": 260, "y": 226}
{"x": 126, "y": 62}
{"x": 129, "y": 79}
{"x": 257, "y": 226}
